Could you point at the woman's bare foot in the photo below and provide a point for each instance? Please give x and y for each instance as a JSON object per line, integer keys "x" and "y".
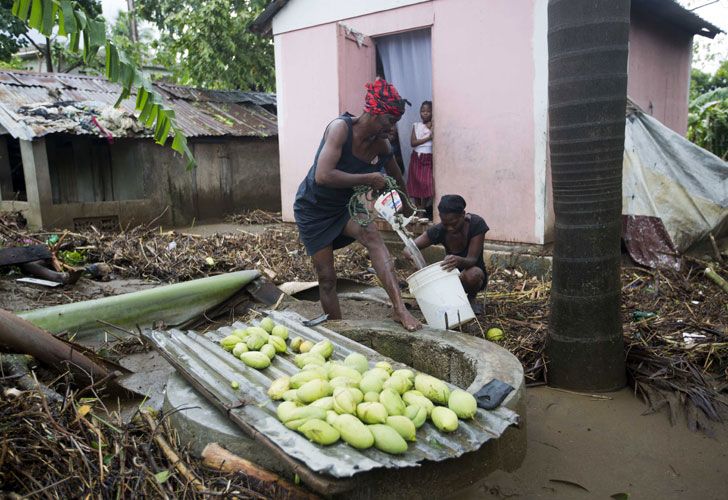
{"x": 406, "y": 320}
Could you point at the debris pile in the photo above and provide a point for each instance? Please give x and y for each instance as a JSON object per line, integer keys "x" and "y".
{"x": 675, "y": 331}
{"x": 80, "y": 117}
{"x": 255, "y": 217}
{"x": 78, "y": 448}
{"x": 148, "y": 252}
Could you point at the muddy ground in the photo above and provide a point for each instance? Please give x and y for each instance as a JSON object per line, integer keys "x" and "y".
{"x": 604, "y": 444}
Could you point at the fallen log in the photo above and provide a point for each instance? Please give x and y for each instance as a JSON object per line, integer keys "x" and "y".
{"x": 217, "y": 457}
{"x": 20, "y": 336}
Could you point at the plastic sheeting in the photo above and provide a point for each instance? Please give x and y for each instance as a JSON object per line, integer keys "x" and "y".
{"x": 674, "y": 193}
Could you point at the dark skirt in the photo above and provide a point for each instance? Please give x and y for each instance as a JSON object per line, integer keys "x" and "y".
{"x": 420, "y": 182}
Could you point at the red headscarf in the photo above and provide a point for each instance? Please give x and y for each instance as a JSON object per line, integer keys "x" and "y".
{"x": 383, "y": 98}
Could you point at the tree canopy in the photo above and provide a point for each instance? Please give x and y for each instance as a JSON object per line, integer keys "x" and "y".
{"x": 206, "y": 43}
{"x": 11, "y": 34}
{"x": 15, "y": 34}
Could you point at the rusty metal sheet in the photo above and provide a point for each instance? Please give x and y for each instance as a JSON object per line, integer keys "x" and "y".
{"x": 209, "y": 95}
{"x": 7, "y": 78}
{"x": 198, "y": 112}
{"x": 649, "y": 243}
{"x": 209, "y": 368}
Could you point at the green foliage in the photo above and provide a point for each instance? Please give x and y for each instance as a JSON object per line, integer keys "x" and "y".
{"x": 137, "y": 52}
{"x": 699, "y": 83}
{"x": 14, "y": 32}
{"x": 708, "y": 112}
{"x": 13, "y": 63}
{"x": 86, "y": 36}
{"x": 72, "y": 258}
{"x": 11, "y": 33}
{"x": 708, "y": 125}
{"x": 206, "y": 43}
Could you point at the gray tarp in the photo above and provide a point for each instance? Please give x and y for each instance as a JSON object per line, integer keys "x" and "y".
{"x": 674, "y": 192}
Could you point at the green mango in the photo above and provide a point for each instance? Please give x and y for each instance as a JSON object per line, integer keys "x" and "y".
{"x": 404, "y": 426}
{"x": 319, "y": 432}
{"x": 444, "y": 419}
{"x": 387, "y": 439}
{"x": 354, "y": 432}
{"x": 434, "y": 389}
{"x": 255, "y": 359}
{"x": 462, "y": 403}
{"x": 279, "y": 387}
{"x": 357, "y": 361}
{"x": 371, "y": 413}
{"x": 313, "y": 390}
{"x": 267, "y": 324}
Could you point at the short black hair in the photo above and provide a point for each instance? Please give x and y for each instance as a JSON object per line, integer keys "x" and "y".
{"x": 426, "y": 103}
{"x": 451, "y": 204}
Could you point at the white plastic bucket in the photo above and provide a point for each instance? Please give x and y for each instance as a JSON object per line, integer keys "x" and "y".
{"x": 441, "y": 296}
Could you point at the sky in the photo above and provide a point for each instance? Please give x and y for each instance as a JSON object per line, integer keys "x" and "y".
{"x": 716, "y": 13}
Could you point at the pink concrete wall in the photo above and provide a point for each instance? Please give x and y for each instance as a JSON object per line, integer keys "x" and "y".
{"x": 308, "y": 99}
{"x": 483, "y": 93}
{"x": 659, "y": 71}
{"x": 483, "y": 107}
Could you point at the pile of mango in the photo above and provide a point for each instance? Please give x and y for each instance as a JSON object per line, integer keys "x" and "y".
{"x": 378, "y": 406}
{"x": 256, "y": 346}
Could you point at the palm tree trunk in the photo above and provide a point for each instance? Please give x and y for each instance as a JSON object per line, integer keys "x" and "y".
{"x": 588, "y": 48}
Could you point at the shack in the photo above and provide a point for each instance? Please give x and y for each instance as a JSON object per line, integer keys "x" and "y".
{"x": 484, "y": 63}
{"x": 70, "y": 159}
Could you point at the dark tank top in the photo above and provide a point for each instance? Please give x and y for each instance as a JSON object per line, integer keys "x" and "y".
{"x": 321, "y": 212}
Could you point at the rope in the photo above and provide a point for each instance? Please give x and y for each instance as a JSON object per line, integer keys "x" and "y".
{"x": 359, "y": 212}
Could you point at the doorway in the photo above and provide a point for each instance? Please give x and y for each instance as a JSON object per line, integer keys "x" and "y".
{"x": 405, "y": 60}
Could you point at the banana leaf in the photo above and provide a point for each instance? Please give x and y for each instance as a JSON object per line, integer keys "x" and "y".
{"x": 169, "y": 304}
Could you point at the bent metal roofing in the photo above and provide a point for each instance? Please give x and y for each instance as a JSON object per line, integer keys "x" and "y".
{"x": 199, "y": 112}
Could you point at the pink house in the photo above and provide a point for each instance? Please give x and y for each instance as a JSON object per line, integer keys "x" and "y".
{"x": 484, "y": 67}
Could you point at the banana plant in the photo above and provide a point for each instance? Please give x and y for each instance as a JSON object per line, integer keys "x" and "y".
{"x": 86, "y": 36}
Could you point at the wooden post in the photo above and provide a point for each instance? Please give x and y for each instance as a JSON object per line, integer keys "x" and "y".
{"x": 23, "y": 337}
{"x": 37, "y": 180}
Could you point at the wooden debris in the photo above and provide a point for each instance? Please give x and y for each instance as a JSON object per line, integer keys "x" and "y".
{"x": 217, "y": 457}
{"x": 21, "y": 336}
{"x": 80, "y": 449}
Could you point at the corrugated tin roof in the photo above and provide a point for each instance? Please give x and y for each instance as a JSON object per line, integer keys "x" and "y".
{"x": 199, "y": 112}
{"x": 671, "y": 12}
{"x": 200, "y": 360}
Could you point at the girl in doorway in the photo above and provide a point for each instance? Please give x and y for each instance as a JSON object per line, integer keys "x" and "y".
{"x": 420, "y": 181}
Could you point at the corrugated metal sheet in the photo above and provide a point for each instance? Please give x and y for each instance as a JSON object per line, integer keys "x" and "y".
{"x": 209, "y": 368}
{"x": 671, "y": 12}
{"x": 192, "y": 94}
{"x": 199, "y": 112}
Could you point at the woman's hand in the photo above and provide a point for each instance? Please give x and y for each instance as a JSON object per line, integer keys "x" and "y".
{"x": 376, "y": 181}
{"x": 408, "y": 255}
{"x": 450, "y": 262}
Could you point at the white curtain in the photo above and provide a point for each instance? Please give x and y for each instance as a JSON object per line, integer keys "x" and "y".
{"x": 407, "y": 63}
